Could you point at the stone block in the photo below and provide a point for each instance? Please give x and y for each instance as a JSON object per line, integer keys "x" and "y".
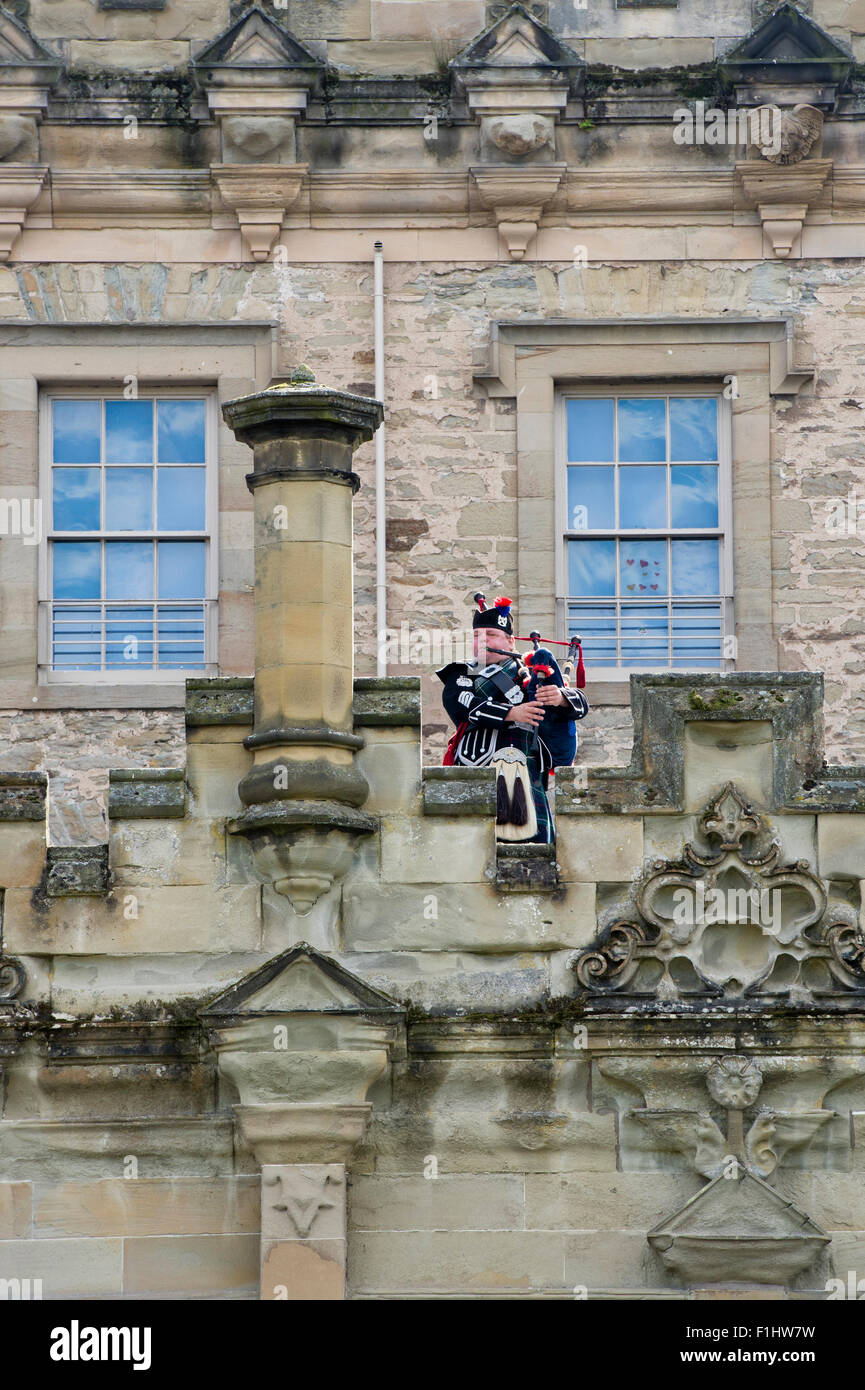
{"x": 93, "y": 982}
{"x": 15, "y": 1203}
{"x": 603, "y": 1202}
{"x": 440, "y": 851}
{"x": 468, "y": 916}
{"x": 445, "y": 1203}
{"x": 224, "y": 701}
{"x": 342, "y": 19}
{"x": 169, "y": 853}
{"x": 153, "y": 55}
{"x": 142, "y": 920}
{"x": 151, "y": 793}
{"x": 46, "y": 1151}
{"x": 391, "y": 700}
{"x": 303, "y": 1270}
{"x": 77, "y": 871}
{"x": 459, "y": 791}
{"x": 612, "y": 1260}
{"x": 22, "y": 854}
{"x": 213, "y": 772}
{"x": 603, "y": 849}
{"x": 67, "y": 1268}
{"x": 165, "y": 1265}
{"x": 841, "y": 846}
{"x": 526, "y": 868}
{"x": 719, "y": 752}
{"x": 507, "y": 1141}
{"x": 22, "y": 795}
{"x": 664, "y": 837}
{"x": 143, "y": 1207}
{"x": 455, "y": 1261}
{"x": 390, "y": 762}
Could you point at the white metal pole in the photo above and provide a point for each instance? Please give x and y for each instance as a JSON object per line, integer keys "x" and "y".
{"x": 380, "y": 501}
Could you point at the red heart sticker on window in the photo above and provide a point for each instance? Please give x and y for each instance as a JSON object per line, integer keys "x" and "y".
{"x": 630, "y": 562}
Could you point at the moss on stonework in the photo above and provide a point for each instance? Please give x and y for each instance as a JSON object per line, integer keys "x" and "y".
{"x": 722, "y": 699}
{"x": 183, "y": 1010}
{"x": 700, "y": 81}
{"x": 158, "y": 96}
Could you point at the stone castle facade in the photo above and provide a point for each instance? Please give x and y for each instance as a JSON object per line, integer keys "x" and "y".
{"x": 314, "y": 320}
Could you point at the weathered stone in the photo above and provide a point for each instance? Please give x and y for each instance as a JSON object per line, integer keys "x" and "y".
{"x": 459, "y": 791}
{"x": 391, "y": 700}
{"x": 22, "y": 795}
{"x": 219, "y": 701}
{"x": 80, "y": 872}
{"x": 147, "y": 793}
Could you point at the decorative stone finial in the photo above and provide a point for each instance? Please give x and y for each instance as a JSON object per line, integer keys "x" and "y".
{"x": 301, "y": 376}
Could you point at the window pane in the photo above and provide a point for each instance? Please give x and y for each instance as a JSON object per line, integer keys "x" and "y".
{"x": 181, "y": 635}
{"x": 592, "y": 567}
{"x": 693, "y": 427}
{"x": 76, "y": 431}
{"x": 645, "y": 634}
{"x": 76, "y": 569}
{"x": 77, "y": 638}
{"x": 596, "y": 624}
{"x": 642, "y": 430}
{"x": 128, "y": 569}
{"x": 590, "y": 431}
{"x": 643, "y": 567}
{"x": 590, "y": 499}
{"x": 697, "y": 635}
{"x": 643, "y": 498}
{"x": 180, "y": 431}
{"x": 696, "y": 567}
{"x": 129, "y": 636}
{"x": 180, "y": 499}
{"x": 181, "y": 569}
{"x": 129, "y": 499}
{"x": 76, "y": 499}
{"x": 128, "y": 431}
{"x": 694, "y": 493}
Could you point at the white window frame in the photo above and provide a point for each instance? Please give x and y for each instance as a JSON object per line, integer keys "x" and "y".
{"x": 724, "y": 530}
{"x": 116, "y": 676}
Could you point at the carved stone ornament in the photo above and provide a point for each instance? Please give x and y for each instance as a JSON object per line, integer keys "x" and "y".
{"x": 12, "y": 979}
{"x": 727, "y": 921}
{"x": 734, "y": 1083}
{"x": 792, "y": 135}
{"x": 736, "y": 1228}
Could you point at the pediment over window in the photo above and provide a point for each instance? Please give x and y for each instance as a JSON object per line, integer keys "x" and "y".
{"x": 518, "y": 47}
{"x": 24, "y": 61}
{"x": 300, "y": 980}
{"x": 255, "y": 41}
{"x": 788, "y": 50}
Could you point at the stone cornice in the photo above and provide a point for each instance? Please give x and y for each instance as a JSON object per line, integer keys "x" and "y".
{"x": 418, "y": 197}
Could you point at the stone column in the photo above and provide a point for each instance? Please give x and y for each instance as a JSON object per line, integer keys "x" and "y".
{"x": 303, "y": 779}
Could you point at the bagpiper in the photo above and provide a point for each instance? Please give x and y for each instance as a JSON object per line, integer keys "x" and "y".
{"x": 516, "y": 714}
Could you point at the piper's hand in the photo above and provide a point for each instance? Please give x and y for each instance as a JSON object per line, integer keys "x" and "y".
{"x": 531, "y": 712}
{"x": 550, "y": 695}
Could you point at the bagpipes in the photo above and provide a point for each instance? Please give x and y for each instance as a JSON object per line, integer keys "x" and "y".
{"x": 559, "y": 735}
